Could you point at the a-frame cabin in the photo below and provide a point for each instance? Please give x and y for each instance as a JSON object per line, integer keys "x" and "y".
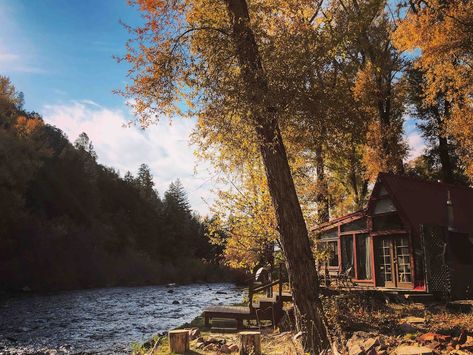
{"x": 413, "y": 236}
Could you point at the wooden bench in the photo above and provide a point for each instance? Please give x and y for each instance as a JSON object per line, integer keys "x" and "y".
{"x": 229, "y": 312}
{"x": 266, "y": 308}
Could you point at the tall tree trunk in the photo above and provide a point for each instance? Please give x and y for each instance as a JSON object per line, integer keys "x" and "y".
{"x": 322, "y": 190}
{"x": 445, "y": 161}
{"x": 444, "y": 154}
{"x": 291, "y": 224}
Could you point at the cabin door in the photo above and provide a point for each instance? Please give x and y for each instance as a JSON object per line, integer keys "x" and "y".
{"x": 393, "y": 262}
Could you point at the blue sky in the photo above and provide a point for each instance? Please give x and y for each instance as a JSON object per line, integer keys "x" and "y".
{"x": 62, "y": 49}
{"x": 59, "y": 53}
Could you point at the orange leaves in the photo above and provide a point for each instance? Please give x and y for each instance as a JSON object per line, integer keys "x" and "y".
{"x": 442, "y": 33}
{"x": 27, "y": 126}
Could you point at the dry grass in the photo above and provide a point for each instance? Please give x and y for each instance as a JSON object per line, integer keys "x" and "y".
{"x": 345, "y": 315}
{"x": 272, "y": 343}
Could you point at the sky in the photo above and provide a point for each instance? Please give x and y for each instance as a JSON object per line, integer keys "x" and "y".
{"x": 59, "y": 53}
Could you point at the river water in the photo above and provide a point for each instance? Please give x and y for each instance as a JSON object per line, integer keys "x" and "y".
{"x": 105, "y": 320}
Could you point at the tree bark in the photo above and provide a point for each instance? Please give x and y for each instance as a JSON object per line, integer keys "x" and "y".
{"x": 323, "y": 213}
{"x": 444, "y": 152}
{"x": 292, "y": 229}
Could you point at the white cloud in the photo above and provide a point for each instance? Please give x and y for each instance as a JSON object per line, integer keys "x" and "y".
{"x": 416, "y": 145}
{"x": 163, "y": 147}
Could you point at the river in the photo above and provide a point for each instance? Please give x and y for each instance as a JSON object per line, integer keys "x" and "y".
{"x": 104, "y": 320}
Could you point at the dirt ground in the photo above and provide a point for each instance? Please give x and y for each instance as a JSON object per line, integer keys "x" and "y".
{"x": 359, "y": 325}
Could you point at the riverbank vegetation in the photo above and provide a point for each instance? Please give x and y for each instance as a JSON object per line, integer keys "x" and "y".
{"x": 69, "y": 222}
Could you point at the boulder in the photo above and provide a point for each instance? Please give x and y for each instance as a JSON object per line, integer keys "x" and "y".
{"x": 413, "y": 320}
{"x": 371, "y": 343}
{"x": 211, "y": 347}
{"x": 356, "y": 350}
{"x": 224, "y": 349}
{"x": 194, "y": 333}
{"x": 233, "y": 348}
{"x": 408, "y": 328}
{"x": 413, "y": 350}
{"x": 433, "y": 336}
{"x": 175, "y": 302}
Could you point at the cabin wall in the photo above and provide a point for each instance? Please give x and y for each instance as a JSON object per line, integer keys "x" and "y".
{"x": 449, "y": 262}
{"x": 459, "y": 257}
{"x": 436, "y": 267}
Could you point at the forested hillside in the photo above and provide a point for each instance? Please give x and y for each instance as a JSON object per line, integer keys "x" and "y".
{"x": 68, "y": 222}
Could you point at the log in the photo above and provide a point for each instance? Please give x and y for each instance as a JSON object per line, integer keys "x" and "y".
{"x": 250, "y": 343}
{"x": 178, "y": 341}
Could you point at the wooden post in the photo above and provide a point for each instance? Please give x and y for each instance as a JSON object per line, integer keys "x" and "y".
{"x": 179, "y": 341}
{"x": 250, "y": 343}
{"x": 280, "y": 283}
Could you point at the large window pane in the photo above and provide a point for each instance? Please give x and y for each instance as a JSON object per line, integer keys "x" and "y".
{"x": 387, "y": 222}
{"x": 403, "y": 259}
{"x": 357, "y": 225}
{"x": 363, "y": 256}
{"x": 347, "y": 254}
{"x": 330, "y": 252}
{"x": 384, "y": 205}
{"x": 331, "y": 233}
{"x": 382, "y": 191}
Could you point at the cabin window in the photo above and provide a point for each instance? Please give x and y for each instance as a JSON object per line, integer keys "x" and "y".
{"x": 330, "y": 249}
{"x": 403, "y": 259}
{"x": 347, "y": 254}
{"x": 331, "y": 233}
{"x": 383, "y": 206}
{"x": 363, "y": 257}
{"x": 461, "y": 248}
{"x": 390, "y": 221}
{"x": 359, "y": 224}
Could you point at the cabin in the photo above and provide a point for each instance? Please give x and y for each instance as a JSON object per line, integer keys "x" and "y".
{"x": 414, "y": 236}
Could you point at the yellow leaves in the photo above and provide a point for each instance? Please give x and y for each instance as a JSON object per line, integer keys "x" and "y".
{"x": 27, "y": 126}
{"x": 460, "y": 126}
{"x": 244, "y": 211}
{"x": 442, "y": 33}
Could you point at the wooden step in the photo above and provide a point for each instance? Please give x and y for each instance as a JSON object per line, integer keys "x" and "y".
{"x": 224, "y": 325}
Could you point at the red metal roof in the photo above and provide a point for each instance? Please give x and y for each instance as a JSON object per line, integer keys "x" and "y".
{"x": 425, "y": 202}
{"x": 356, "y": 215}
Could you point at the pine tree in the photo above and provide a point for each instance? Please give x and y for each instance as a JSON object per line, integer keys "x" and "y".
{"x": 84, "y": 144}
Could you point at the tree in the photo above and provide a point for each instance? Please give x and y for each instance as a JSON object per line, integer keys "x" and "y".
{"x": 145, "y": 183}
{"x": 441, "y": 156}
{"x": 365, "y": 28}
{"x": 176, "y": 198}
{"x": 245, "y": 215}
{"x": 442, "y": 32}
{"x": 11, "y": 101}
{"x": 58, "y": 206}
{"x": 209, "y": 52}
{"x": 84, "y": 144}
